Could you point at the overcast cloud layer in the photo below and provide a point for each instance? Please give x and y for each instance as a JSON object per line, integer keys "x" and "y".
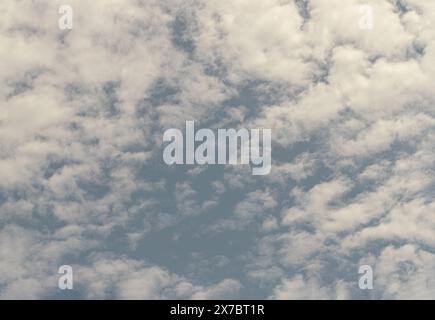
{"x": 83, "y": 183}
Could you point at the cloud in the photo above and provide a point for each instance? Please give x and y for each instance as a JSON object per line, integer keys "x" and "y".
{"x": 130, "y": 279}
{"x": 82, "y": 113}
{"x": 299, "y": 289}
{"x": 405, "y": 272}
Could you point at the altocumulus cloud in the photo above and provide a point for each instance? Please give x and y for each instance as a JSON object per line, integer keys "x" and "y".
{"x": 82, "y": 181}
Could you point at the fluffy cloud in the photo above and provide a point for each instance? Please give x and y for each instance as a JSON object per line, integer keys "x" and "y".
{"x": 82, "y": 113}
{"x": 129, "y": 279}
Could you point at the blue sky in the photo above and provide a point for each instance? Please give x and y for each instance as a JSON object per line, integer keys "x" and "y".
{"x": 345, "y": 86}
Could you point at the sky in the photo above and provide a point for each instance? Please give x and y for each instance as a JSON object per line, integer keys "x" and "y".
{"x": 346, "y": 86}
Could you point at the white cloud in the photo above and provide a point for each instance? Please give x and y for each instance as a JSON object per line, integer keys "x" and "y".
{"x": 405, "y": 272}
{"x": 297, "y": 288}
{"x": 129, "y": 279}
{"x": 352, "y": 117}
